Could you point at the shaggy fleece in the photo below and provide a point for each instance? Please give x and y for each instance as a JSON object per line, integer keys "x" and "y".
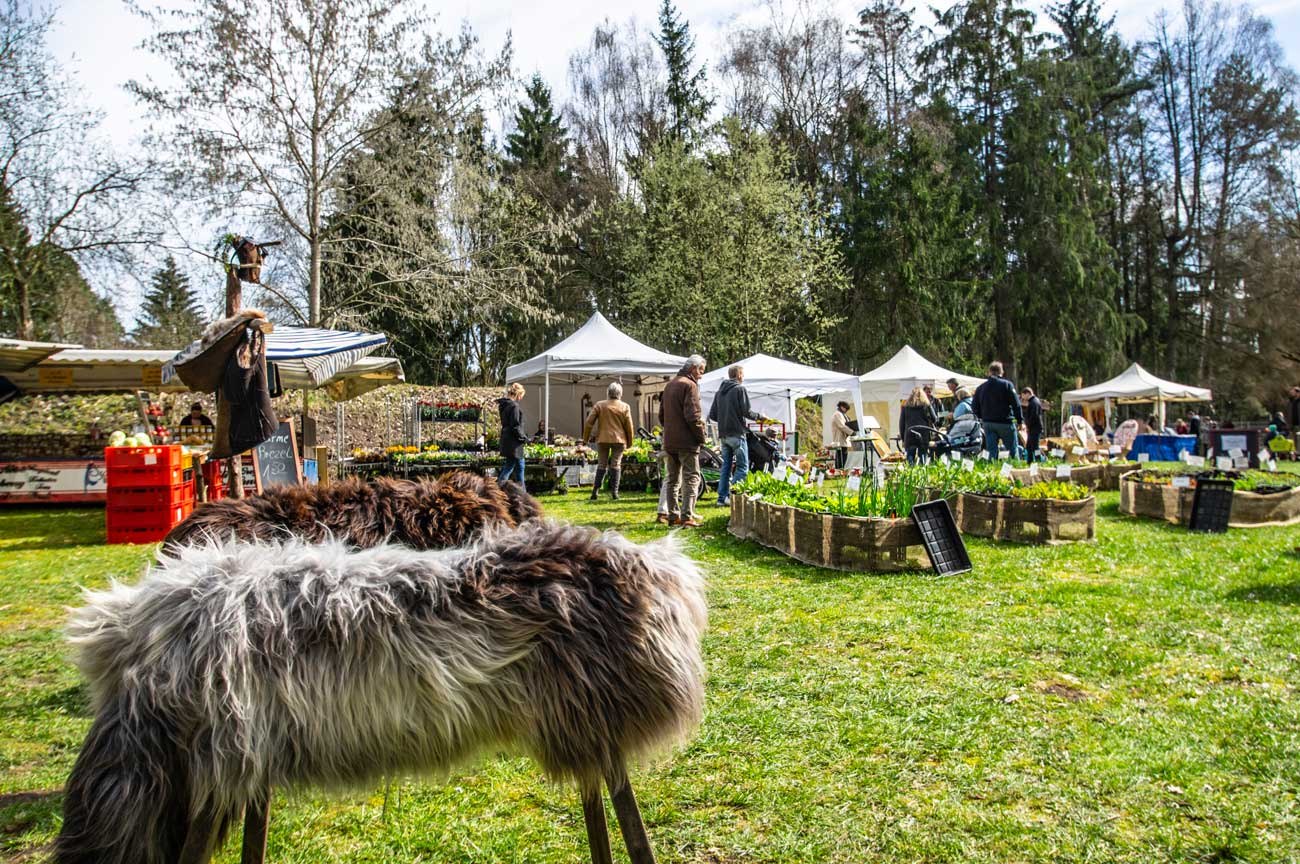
{"x": 232, "y": 667}
{"x": 423, "y": 514}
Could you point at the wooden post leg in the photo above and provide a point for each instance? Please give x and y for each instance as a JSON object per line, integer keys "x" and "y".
{"x": 257, "y": 818}
{"x": 198, "y": 839}
{"x": 593, "y": 812}
{"x": 629, "y": 818}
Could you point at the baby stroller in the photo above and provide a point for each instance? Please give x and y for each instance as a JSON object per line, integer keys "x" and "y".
{"x": 964, "y": 438}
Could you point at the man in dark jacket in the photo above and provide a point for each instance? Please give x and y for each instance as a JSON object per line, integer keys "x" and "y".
{"x": 1033, "y": 410}
{"x": 513, "y": 436}
{"x": 730, "y": 411}
{"x": 682, "y": 420}
{"x": 997, "y": 405}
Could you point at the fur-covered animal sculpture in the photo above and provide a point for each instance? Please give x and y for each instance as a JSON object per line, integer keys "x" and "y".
{"x": 422, "y": 514}
{"x": 235, "y": 667}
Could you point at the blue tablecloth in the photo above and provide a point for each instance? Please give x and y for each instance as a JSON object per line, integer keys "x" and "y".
{"x": 1163, "y": 448}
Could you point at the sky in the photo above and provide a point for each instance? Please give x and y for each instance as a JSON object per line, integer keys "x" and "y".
{"x": 99, "y": 40}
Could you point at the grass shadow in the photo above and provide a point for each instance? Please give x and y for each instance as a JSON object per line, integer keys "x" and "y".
{"x": 52, "y": 527}
{"x": 1279, "y": 593}
{"x": 28, "y": 813}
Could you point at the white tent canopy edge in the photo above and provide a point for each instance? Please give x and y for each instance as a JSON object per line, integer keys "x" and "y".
{"x": 1134, "y": 385}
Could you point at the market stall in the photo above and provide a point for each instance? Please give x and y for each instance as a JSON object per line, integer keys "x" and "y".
{"x": 889, "y": 384}
{"x": 774, "y": 385}
{"x": 1136, "y": 385}
{"x": 564, "y": 381}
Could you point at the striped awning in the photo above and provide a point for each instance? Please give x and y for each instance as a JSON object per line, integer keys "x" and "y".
{"x": 317, "y": 353}
{"x": 19, "y": 354}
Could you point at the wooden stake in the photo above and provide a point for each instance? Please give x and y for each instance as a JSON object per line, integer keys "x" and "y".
{"x": 234, "y": 300}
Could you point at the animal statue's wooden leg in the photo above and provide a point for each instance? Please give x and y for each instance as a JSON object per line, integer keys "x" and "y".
{"x": 629, "y": 818}
{"x": 257, "y": 818}
{"x": 198, "y": 839}
{"x": 593, "y": 812}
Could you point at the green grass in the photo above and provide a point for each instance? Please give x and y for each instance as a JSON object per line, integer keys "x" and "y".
{"x": 1134, "y": 699}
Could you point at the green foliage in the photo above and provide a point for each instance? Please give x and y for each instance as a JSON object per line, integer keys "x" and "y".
{"x": 170, "y": 315}
{"x": 1054, "y": 489}
{"x": 725, "y": 255}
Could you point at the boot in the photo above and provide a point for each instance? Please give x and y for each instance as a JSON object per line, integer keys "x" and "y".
{"x": 615, "y": 475}
{"x": 595, "y": 487}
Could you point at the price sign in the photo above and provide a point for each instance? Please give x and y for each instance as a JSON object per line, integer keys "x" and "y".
{"x": 1006, "y": 469}
{"x": 1077, "y": 451}
{"x": 1057, "y": 453}
{"x": 792, "y": 478}
{"x": 968, "y": 464}
{"x": 943, "y": 457}
{"x": 854, "y": 483}
{"x": 1144, "y": 457}
{"x": 1062, "y": 472}
{"x": 1223, "y": 463}
{"x": 1272, "y": 464}
{"x": 1195, "y": 461}
{"x": 1033, "y": 471}
{"x": 1114, "y": 450}
{"x": 1182, "y": 481}
{"x": 1240, "y": 462}
{"x": 1263, "y": 456}
{"x": 821, "y": 480}
{"x": 1236, "y": 453}
{"x": 779, "y": 472}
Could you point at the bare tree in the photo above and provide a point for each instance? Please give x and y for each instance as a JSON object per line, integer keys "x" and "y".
{"x": 269, "y": 100}
{"x": 65, "y": 192}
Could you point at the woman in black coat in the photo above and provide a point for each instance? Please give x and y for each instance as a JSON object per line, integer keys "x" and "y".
{"x": 915, "y": 423}
{"x": 513, "y": 436}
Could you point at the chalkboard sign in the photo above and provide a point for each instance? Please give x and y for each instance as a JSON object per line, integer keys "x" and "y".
{"x": 248, "y": 471}
{"x": 276, "y": 458}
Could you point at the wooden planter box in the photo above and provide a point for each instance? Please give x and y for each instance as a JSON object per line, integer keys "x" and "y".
{"x": 1027, "y": 520}
{"x": 1168, "y": 503}
{"x": 825, "y": 540}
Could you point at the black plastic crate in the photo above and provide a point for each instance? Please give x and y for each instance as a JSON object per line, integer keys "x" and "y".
{"x": 941, "y": 539}
{"x": 1211, "y": 505}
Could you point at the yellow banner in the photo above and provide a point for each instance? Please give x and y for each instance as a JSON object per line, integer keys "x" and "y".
{"x": 48, "y": 376}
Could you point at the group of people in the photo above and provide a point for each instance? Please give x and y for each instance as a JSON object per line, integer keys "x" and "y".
{"x": 1005, "y": 414}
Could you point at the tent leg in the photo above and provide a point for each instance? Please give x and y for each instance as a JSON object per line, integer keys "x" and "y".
{"x": 546, "y": 408}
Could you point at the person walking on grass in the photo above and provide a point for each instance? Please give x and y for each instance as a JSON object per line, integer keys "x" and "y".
{"x": 730, "y": 410}
{"x": 610, "y": 421}
{"x": 513, "y": 436}
{"x": 997, "y": 405}
{"x": 682, "y": 420}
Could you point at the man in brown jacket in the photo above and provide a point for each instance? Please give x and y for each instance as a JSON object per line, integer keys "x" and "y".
{"x": 610, "y": 421}
{"x": 683, "y": 424}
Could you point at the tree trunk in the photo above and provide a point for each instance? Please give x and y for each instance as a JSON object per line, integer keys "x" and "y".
{"x": 26, "y": 325}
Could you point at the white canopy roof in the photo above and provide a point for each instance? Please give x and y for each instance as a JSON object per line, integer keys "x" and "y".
{"x": 19, "y": 354}
{"x": 774, "y": 384}
{"x": 1136, "y": 384}
{"x": 596, "y": 348}
{"x": 907, "y": 370}
{"x": 893, "y": 381}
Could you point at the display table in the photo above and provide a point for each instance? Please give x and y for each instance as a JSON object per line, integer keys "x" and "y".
{"x": 1163, "y": 448}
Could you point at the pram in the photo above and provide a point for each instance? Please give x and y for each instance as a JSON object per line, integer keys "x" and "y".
{"x": 964, "y": 438}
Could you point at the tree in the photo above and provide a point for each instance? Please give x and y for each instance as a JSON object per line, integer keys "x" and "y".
{"x": 724, "y": 254}
{"x": 271, "y": 98}
{"x": 63, "y": 193}
{"x": 170, "y": 315}
{"x": 688, "y": 106}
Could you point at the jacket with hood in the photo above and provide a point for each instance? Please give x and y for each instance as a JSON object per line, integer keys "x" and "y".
{"x": 731, "y": 408}
{"x": 513, "y": 436}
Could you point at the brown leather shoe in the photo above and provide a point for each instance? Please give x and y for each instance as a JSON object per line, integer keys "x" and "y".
{"x": 690, "y": 522}
{"x": 663, "y": 519}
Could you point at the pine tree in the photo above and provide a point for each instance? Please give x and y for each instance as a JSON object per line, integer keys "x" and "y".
{"x": 169, "y": 316}
{"x": 540, "y": 140}
{"x": 686, "y": 100}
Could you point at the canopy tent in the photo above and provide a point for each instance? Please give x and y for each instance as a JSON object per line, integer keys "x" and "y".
{"x": 890, "y": 383}
{"x": 774, "y": 385}
{"x": 1134, "y": 385}
{"x": 19, "y": 354}
{"x": 307, "y": 360}
{"x": 580, "y": 368}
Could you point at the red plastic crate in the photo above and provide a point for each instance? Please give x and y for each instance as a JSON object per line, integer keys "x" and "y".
{"x": 147, "y": 517}
{"x": 136, "y": 535}
{"x": 155, "y": 476}
{"x": 160, "y": 456}
{"x": 133, "y": 497}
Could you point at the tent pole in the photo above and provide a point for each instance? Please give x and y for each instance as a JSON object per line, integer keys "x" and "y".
{"x": 546, "y": 403}
{"x": 794, "y": 422}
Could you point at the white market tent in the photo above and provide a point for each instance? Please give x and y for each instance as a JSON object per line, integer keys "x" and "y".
{"x": 575, "y": 373}
{"x": 890, "y": 383}
{"x": 1134, "y": 385}
{"x": 774, "y": 385}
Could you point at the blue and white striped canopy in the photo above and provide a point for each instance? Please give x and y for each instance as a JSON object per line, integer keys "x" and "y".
{"x": 317, "y": 354}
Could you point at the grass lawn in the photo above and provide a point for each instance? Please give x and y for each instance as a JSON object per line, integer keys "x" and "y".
{"x": 1134, "y": 699}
